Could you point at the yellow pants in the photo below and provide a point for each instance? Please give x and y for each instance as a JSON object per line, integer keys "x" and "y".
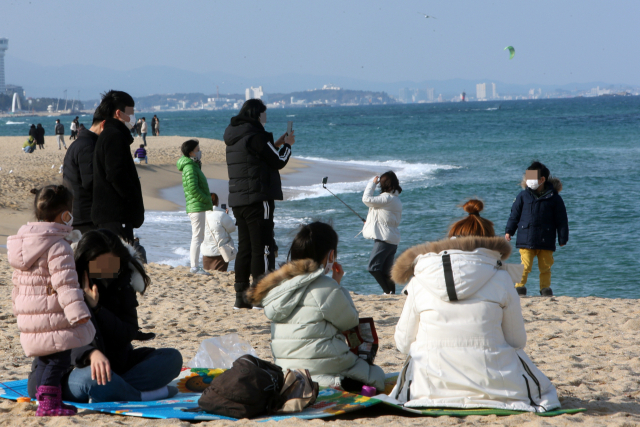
{"x": 545, "y": 261}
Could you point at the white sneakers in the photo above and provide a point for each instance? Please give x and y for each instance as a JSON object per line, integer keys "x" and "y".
{"x": 200, "y": 270}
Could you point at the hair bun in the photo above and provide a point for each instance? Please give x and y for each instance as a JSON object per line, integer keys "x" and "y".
{"x": 473, "y": 207}
{"x": 33, "y": 191}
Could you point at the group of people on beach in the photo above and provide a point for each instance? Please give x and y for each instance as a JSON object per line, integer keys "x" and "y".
{"x": 461, "y": 327}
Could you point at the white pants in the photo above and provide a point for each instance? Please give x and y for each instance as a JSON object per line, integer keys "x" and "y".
{"x": 60, "y": 139}
{"x": 198, "y": 220}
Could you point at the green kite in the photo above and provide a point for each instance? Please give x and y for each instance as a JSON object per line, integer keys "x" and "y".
{"x": 512, "y": 51}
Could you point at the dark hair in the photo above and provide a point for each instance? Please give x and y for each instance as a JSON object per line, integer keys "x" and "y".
{"x": 98, "y": 116}
{"x": 40, "y": 124}
{"x": 57, "y": 120}
{"x": 314, "y": 241}
{"x": 99, "y": 242}
{"x": 537, "y": 166}
{"x": 215, "y": 199}
{"x": 50, "y": 201}
{"x": 473, "y": 225}
{"x": 113, "y": 101}
{"x": 389, "y": 183}
{"x": 141, "y": 145}
{"x": 188, "y": 146}
{"x": 252, "y": 108}
{"x": 144, "y": 119}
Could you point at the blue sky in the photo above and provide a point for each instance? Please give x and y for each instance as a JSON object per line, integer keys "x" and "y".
{"x": 557, "y": 42}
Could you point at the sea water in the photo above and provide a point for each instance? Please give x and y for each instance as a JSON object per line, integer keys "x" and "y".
{"x": 445, "y": 154}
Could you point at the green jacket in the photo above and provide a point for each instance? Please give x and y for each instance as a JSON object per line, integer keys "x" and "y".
{"x": 196, "y": 188}
{"x": 309, "y": 311}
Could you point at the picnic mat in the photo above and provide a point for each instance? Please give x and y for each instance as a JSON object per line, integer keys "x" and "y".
{"x": 192, "y": 382}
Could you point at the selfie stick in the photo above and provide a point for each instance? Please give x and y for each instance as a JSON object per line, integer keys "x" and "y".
{"x": 324, "y": 181}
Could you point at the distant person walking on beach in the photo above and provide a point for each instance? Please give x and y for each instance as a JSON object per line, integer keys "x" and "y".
{"x": 462, "y": 327}
{"x": 119, "y": 207}
{"x": 60, "y": 135}
{"x": 74, "y": 129}
{"x": 40, "y": 136}
{"x": 78, "y": 172}
{"x": 218, "y": 248}
{"x": 253, "y": 162}
{"x": 197, "y": 197}
{"x": 143, "y": 130}
{"x": 383, "y": 220}
{"x": 538, "y": 215}
{"x": 155, "y": 125}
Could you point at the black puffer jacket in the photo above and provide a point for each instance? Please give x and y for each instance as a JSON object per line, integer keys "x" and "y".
{"x": 40, "y": 134}
{"x": 116, "y": 186}
{"x": 78, "y": 175}
{"x": 253, "y": 163}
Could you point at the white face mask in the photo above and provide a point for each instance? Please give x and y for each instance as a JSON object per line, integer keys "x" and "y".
{"x": 533, "y": 184}
{"x": 70, "y": 221}
{"x": 328, "y": 268}
{"x": 263, "y": 117}
{"x": 132, "y": 121}
{"x": 198, "y": 156}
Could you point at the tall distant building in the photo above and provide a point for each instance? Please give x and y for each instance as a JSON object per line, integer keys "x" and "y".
{"x": 431, "y": 93}
{"x": 253, "y": 93}
{"x": 4, "y": 45}
{"x": 406, "y": 95}
{"x": 494, "y": 91}
{"x": 481, "y": 91}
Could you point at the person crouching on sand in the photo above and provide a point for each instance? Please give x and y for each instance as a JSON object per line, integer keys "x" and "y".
{"x": 309, "y": 310}
{"x": 538, "y": 214}
{"x": 462, "y": 326}
{"x": 218, "y": 248}
{"x": 383, "y": 220}
{"x": 52, "y": 316}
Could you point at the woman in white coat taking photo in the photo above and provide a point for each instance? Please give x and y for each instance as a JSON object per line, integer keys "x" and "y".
{"x": 462, "y": 326}
{"x": 218, "y": 248}
{"x": 385, "y": 214}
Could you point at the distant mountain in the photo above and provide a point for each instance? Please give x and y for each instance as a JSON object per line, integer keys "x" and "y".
{"x": 51, "y": 81}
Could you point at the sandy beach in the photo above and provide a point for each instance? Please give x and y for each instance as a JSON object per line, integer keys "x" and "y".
{"x": 588, "y": 347}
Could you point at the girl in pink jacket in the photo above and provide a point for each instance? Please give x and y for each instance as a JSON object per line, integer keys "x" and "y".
{"x": 47, "y": 299}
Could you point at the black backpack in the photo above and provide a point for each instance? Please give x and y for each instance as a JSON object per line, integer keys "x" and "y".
{"x": 249, "y": 389}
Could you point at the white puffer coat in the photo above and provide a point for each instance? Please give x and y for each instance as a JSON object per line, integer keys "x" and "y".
{"x": 308, "y": 312}
{"x": 463, "y": 330}
{"x": 385, "y": 214}
{"x": 218, "y": 227}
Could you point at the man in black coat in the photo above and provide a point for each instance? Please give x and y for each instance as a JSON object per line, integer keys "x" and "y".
{"x": 253, "y": 162}
{"x": 538, "y": 215}
{"x": 117, "y": 194}
{"x": 40, "y": 136}
{"x": 78, "y": 172}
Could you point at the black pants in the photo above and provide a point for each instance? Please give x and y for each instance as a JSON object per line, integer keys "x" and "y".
{"x": 83, "y": 228}
{"x": 256, "y": 243}
{"x": 123, "y": 230}
{"x": 52, "y": 368}
{"x": 380, "y": 264}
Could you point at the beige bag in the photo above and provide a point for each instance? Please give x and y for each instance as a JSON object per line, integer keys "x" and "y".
{"x": 228, "y": 251}
{"x": 298, "y": 391}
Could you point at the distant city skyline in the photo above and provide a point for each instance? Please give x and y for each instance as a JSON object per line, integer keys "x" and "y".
{"x": 382, "y": 43}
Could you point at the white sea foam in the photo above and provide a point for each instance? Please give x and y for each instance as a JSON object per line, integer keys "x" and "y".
{"x": 9, "y": 122}
{"x": 407, "y": 173}
{"x": 182, "y": 259}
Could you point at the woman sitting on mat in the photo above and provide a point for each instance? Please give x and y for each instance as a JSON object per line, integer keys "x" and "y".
{"x": 309, "y": 310}
{"x": 110, "y": 369}
{"x": 462, "y": 325}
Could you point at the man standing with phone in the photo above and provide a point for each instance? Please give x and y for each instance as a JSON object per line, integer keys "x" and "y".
{"x": 253, "y": 161}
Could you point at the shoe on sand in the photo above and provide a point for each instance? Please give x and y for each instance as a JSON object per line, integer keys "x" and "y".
{"x": 522, "y": 290}
{"x": 200, "y": 270}
{"x": 240, "y": 303}
{"x": 546, "y": 292}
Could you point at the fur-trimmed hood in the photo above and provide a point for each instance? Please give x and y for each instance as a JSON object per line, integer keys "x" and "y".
{"x": 255, "y": 295}
{"x": 557, "y": 184}
{"x": 403, "y": 269}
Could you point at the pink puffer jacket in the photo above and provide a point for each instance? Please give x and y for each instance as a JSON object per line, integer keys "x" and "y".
{"x": 47, "y": 298}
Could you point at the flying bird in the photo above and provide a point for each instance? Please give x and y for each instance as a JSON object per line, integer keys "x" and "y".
{"x": 427, "y": 16}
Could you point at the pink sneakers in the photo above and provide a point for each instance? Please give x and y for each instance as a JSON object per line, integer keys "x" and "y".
{"x": 50, "y": 403}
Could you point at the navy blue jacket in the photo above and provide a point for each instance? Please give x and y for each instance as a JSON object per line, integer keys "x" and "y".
{"x": 537, "y": 219}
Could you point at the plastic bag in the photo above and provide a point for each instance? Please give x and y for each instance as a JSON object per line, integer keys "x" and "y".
{"x": 221, "y": 352}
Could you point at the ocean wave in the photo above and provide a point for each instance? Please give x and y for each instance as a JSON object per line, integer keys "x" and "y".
{"x": 14, "y": 123}
{"x": 184, "y": 258}
{"x": 408, "y": 173}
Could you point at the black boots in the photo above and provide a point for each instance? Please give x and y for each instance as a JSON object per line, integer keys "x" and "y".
{"x": 521, "y": 290}
{"x": 385, "y": 282}
{"x": 546, "y": 292}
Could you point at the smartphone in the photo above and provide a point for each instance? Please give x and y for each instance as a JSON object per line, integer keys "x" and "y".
{"x": 223, "y": 206}
{"x": 289, "y": 127}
